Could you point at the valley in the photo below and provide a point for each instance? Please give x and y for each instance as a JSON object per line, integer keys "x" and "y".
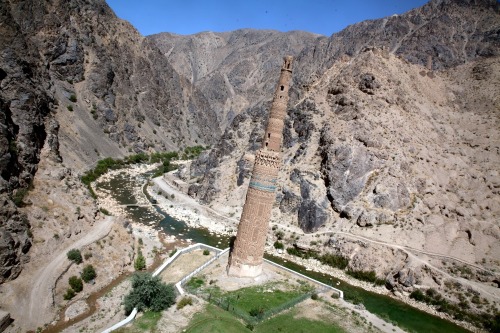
{"x": 391, "y": 151}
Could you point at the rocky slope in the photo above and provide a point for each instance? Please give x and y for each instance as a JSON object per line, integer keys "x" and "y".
{"x": 232, "y": 69}
{"x": 399, "y": 160}
{"x": 78, "y": 80}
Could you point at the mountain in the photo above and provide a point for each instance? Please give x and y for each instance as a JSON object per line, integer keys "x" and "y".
{"x": 391, "y": 150}
{"x": 86, "y": 85}
{"x": 233, "y": 70}
{"x": 392, "y": 138}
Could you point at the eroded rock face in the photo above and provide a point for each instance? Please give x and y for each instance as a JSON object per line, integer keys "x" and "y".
{"x": 345, "y": 171}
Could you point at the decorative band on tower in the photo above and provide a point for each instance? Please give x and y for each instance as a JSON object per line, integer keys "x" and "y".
{"x": 245, "y": 259}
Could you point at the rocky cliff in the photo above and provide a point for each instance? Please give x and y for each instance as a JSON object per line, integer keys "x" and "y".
{"x": 232, "y": 69}
{"x": 392, "y": 137}
{"x": 86, "y": 85}
{"x": 392, "y": 142}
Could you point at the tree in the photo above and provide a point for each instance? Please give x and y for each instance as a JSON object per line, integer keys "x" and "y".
{"x": 140, "y": 262}
{"x": 70, "y": 293}
{"x": 76, "y": 283}
{"x": 75, "y": 255}
{"x": 88, "y": 273}
{"x": 149, "y": 293}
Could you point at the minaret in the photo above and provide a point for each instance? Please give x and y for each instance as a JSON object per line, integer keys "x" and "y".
{"x": 245, "y": 259}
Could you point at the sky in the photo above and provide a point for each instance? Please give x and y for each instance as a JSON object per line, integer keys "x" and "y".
{"x": 186, "y": 17}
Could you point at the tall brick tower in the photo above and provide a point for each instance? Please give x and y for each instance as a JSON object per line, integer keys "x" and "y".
{"x": 245, "y": 259}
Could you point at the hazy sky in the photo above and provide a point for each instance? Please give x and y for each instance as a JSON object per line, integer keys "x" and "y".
{"x": 191, "y": 16}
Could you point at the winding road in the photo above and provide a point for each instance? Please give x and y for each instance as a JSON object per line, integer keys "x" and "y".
{"x": 41, "y": 298}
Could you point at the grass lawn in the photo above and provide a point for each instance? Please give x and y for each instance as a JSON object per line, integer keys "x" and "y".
{"x": 264, "y": 297}
{"x": 146, "y": 323}
{"x": 214, "y": 319}
{"x": 287, "y": 323}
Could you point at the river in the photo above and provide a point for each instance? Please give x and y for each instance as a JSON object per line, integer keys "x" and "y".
{"x": 123, "y": 188}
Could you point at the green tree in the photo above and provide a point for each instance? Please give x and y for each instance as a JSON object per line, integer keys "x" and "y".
{"x": 88, "y": 273}
{"x": 76, "y": 283}
{"x": 75, "y": 255}
{"x": 149, "y": 293}
{"x": 70, "y": 293}
{"x": 278, "y": 245}
{"x": 140, "y": 262}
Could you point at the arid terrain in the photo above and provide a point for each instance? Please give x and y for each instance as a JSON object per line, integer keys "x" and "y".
{"x": 390, "y": 160}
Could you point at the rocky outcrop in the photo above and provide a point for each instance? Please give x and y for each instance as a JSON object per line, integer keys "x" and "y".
{"x": 382, "y": 147}
{"x": 84, "y": 84}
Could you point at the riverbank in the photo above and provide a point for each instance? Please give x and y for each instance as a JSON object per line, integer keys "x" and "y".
{"x": 179, "y": 205}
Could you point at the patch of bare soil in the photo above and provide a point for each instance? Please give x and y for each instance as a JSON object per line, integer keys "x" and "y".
{"x": 183, "y": 265}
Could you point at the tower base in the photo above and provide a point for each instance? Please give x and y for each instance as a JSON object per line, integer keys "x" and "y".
{"x": 242, "y": 270}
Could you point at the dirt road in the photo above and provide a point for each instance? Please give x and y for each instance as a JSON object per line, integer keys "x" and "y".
{"x": 41, "y": 297}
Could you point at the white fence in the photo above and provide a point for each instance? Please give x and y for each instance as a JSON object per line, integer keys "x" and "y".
{"x": 218, "y": 254}
{"x": 179, "y": 284}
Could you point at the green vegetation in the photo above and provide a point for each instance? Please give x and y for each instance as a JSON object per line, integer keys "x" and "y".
{"x": 145, "y": 323}
{"x": 290, "y": 322}
{"x": 184, "y": 301}
{"x": 88, "y": 273}
{"x": 215, "y": 319}
{"x": 164, "y": 158}
{"x": 206, "y": 252}
{"x": 76, "y": 283}
{"x": 105, "y": 211}
{"x": 75, "y": 255}
{"x": 326, "y": 259}
{"x": 192, "y": 152}
{"x": 140, "y": 261}
{"x": 255, "y": 303}
{"x": 70, "y": 293}
{"x": 278, "y": 245}
{"x": 194, "y": 283}
{"x": 72, "y": 98}
{"x": 149, "y": 293}
{"x": 408, "y": 318}
{"x": 18, "y": 196}
{"x": 70, "y": 107}
{"x": 368, "y": 276}
{"x": 490, "y": 322}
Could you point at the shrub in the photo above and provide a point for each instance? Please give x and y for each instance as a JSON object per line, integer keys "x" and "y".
{"x": 105, "y": 211}
{"x": 75, "y": 255}
{"x": 88, "y": 273}
{"x": 206, "y": 252}
{"x": 368, "y": 276}
{"x": 149, "y": 293}
{"x": 278, "y": 245}
{"x": 257, "y": 312}
{"x": 174, "y": 251}
{"x": 72, "y": 98}
{"x": 70, "y": 107}
{"x": 334, "y": 260}
{"x": 18, "y": 196}
{"x": 140, "y": 262}
{"x": 87, "y": 255}
{"x": 184, "y": 301}
{"x": 76, "y": 283}
{"x": 70, "y": 293}
{"x": 314, "y": 296}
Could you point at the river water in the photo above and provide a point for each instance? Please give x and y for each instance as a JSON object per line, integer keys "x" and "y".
{"x": 123, "y": 188}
